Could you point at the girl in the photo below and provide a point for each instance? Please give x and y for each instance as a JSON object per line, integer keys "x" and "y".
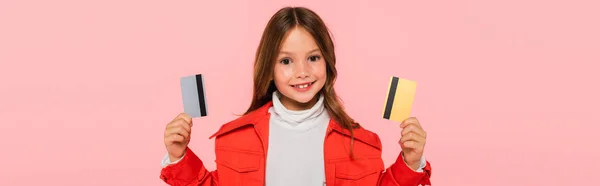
{"x": 295, "y": 131}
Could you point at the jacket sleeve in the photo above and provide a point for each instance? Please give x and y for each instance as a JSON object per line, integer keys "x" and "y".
{"x": 400, "y": 174}
{"x": 189, "y": 171}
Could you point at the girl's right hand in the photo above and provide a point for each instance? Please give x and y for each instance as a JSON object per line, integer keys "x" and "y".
{"x": 177, "y": 136}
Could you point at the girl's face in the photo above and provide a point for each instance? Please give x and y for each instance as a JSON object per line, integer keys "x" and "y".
{"x": 300, "y": 70}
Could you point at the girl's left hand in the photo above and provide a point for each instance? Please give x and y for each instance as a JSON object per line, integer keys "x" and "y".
{"x": 412, "y": 142}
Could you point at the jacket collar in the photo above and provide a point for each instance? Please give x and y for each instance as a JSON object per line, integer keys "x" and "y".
{"x": 255, "y": 117}
{"x": 360, "y": 134}
{"x": 251, "y": 118}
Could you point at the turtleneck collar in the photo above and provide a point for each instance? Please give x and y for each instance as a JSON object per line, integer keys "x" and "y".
{"x": 295, "y": 118}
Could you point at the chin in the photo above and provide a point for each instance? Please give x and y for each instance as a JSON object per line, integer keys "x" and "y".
{"x": 305, "y": 99}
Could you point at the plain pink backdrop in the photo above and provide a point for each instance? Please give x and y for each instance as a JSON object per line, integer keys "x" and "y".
{"x": 507, "y": 89}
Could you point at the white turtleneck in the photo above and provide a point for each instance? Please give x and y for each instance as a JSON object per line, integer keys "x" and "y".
{"x": 295, "y": 155}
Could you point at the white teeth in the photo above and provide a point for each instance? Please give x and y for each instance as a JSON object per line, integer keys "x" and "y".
{"x": 304, "y": 85}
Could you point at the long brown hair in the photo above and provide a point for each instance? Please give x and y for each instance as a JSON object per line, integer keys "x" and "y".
{"x": 280, "y": 23}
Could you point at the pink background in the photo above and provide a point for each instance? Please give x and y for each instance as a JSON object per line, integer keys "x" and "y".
{"x": 507, "y": 91}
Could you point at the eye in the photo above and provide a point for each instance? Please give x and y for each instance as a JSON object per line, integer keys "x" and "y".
{"x": 285, "y": 61}
{"x": 314, "y": 58}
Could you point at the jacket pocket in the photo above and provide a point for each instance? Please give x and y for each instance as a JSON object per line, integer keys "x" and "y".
{"x": 241, "y": 164}
{"x": 238, "y": 167}
{"x": 355, "y": 173}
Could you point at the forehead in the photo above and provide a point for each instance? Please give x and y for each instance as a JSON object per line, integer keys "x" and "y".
{"x": 298, "y": 40}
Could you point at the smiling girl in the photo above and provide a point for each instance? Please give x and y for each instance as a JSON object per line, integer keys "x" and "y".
{"x": 295, "y": 131}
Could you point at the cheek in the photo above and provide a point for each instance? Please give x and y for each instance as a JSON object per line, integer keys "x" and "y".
{"x": 320, "y": 69}
{"x": 282, "y": 74}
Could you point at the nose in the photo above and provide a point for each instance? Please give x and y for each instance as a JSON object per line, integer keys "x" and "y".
{"x": 302, "y": 70}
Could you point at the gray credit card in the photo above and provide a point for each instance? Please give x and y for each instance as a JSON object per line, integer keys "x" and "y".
{"x": 193, "y": 94}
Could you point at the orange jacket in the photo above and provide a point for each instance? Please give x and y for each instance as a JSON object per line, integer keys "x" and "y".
{"x": 241, "y": 147}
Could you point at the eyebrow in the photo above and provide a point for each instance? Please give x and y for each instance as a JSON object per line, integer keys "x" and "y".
{"x": 289, "y": 53}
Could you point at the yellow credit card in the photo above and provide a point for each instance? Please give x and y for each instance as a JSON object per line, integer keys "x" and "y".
{"x": 399, "y": 99}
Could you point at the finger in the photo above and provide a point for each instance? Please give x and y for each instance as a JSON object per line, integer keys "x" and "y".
{"x": 178, "y": 130}
{"x": 412, "y": 145}
{"x": 413, "y": 128}
{"x": 412, "y": 137}
{"x": 175, "y": 138}
{"x": 410, "y": 121}
{"x": 186, "y": 124}
{"x": 185, "y": 117}
{"x": 180, "y": 123}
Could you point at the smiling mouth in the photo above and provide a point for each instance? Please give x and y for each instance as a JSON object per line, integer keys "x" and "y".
{"x": 303, "y": 85}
